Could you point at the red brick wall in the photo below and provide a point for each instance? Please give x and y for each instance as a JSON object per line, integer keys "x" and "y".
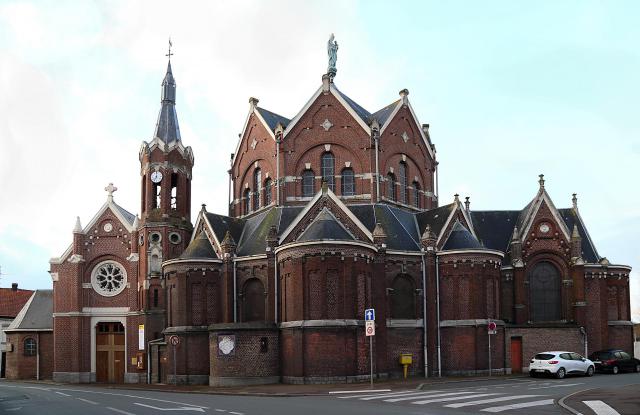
{"x": 620, "y": 337}
{"x": 541, "y": 339}
{"x": 248, "y": 360}
{"x": 20, "y": 366}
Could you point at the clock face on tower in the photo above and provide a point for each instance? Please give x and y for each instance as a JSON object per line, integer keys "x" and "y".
{"x": 156, "y": 177}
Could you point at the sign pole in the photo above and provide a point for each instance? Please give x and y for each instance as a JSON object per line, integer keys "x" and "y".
{"x": 371, "y": 358}
{"x": 175, "y": 377}
{"x": 489, "y": 335}
{"x": 370, "y": 331}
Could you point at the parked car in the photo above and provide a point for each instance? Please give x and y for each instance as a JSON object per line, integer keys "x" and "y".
{"x": 615, "y": 361}
{"x": 560, "y": 364}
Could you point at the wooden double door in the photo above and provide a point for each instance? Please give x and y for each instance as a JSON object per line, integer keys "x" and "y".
{"x": 110, "y": 354}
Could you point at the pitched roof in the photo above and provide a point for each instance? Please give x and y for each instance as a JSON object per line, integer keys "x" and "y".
{"x": 256, "y": 229}
{"x": 461, "y": 238}
{"x": 12, "y": 301}
{"x": 495, "y": 227}
{"x": 571, "y": 217}
{"x": 272, "y": 119}
{"x": 325, "y": 227}
{"x": 362, "y": 113}
{"x": 37, "y": 313}
{"x": 128, "y": 216}
{"x": 221, "y": 224}
{"x": 383, "y": 114}
{"x": 436, "y": 218}
{"x": 199, "y": 248}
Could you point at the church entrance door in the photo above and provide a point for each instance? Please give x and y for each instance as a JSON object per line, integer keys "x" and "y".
{"x": 110, "y": 353}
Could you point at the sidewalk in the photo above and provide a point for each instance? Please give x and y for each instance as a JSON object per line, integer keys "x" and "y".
{"x": 282, "y": 390}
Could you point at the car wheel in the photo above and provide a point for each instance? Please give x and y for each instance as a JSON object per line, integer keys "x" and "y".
{"x": 535, "y": 375}
{"x": 589, "y": 371}
{"x": 615, "y": 370}
{"x": 637, "y": 368}
{"x": 560, "y": 373}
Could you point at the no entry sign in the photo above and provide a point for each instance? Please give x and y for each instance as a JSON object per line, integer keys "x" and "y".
{"x": 370, "y": 328}
{"x": 175, "y": 340}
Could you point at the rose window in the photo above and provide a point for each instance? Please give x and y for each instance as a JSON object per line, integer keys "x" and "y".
{"x": 109, "y": 278}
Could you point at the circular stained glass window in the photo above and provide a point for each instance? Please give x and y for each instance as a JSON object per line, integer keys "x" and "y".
{"x": 109, "y": 278}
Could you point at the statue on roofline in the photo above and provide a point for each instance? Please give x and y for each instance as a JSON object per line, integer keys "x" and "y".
{"x": 332, "y": 51}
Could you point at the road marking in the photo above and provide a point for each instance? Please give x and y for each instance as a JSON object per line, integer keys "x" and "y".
{"x": 518, "y": 406}
{"x": 483, "y": 401}
{"x": 184, "y": 408}
{"x": 131, "y": 396}
{"x": 236, "y": 413}
{"x": 453, "y": 398}
{"x": 120, "y": 411}
{"x": 601, "y": 408}
{"x": 87, "y": 401}
{"x": 384, "y": 395}
{"x": 427, "y": 395}
{"x": 221, "y": 410}
{"x": 360, "y": 391}
{"x": 13, "y": 409}
{"x": 562, "y": 385}
{"x": 63, "y": 394}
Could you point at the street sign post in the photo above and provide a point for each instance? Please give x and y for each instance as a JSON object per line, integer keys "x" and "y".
{"x": 491, "y": 330}
{"x": 175, "y": 341}
{"x": 370, "y": 331}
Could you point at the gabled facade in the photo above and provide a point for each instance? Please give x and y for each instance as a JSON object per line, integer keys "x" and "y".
{"x": 331, "y": 212}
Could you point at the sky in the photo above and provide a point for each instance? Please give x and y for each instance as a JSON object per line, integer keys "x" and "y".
{"x": 510, "y": 89}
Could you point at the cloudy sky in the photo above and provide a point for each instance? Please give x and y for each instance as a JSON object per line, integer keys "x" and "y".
{"x": 511, "y": 90}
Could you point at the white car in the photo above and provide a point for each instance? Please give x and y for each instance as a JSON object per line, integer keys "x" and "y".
{"x": 560, "y": 364}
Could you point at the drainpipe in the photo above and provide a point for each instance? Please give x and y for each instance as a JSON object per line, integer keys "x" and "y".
{"x": 424, "y": 315}
{"x": 235, "y": 293}
{"x": 278, "y": 169}
{"x": 38, "y": 356}
{"x": 275, "y": 277}
{"x": 438, "y": 316}
{"x": 376, "y": 139}
{"x": 149, "y": 364}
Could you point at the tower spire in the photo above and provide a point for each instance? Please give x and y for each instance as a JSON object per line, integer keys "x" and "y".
{"x": 167, "y": 128}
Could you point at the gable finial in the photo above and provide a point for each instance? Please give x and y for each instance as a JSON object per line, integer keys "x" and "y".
{"x": 574, "y": 199}
{"x": 332, "y": 51}
{"x": 78, "y": 227}
{"x": 541, "y": 181}
{"x": 110, "y": 189}
{"x": 467, "y": 203}
{"x": 456, "y": 198}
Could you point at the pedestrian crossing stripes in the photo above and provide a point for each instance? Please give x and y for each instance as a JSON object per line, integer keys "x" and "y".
{"x": 494, "y": 402}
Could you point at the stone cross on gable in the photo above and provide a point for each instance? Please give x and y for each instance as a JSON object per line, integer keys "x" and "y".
{"x": 110, "y": 189}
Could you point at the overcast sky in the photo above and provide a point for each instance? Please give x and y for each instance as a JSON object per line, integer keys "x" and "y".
{"x": 511, "y": 90}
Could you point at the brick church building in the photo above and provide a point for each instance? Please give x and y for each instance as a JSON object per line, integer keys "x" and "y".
{"x": 331, "y": 212}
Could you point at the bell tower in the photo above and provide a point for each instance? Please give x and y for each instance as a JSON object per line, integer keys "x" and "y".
{"x": 165, "y": 223}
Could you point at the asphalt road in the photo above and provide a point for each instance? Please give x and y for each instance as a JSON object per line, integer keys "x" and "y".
{"x": 517, "y": 396}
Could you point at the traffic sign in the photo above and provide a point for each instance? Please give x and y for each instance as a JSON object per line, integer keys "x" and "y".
{"x": 491, "y": 327}
{"x": 370, "y": 314}
{"x": 175, "y": 340}
{"x": 370, "y": 328}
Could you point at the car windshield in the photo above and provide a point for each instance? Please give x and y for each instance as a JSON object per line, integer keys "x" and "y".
{"x": 544, "y": 356}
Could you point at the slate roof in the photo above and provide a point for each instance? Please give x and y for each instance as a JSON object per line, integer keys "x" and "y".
{"x": 37, "y": 313}
{"x": 461, "y": 238}
{"x": 12, "y": 301}
{"x": 362, "y": 113}
{"x": 589, "y": 252}
{"x": 167, "y": 128}
{"x": 436, "y": 218}
{"x": 494, "y": 227}
{"x": 325, "y": 227}
{"x": 383, "y": 114}
{"x": 129, "y": 217}
{"x": 272, "y": 119}
{"x": 199, "y": 248}
{"x": 256, "y": 229}
{"x": 221, "y": 224}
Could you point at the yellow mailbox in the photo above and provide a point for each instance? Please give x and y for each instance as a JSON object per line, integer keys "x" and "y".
{"x": 405, "y": 360}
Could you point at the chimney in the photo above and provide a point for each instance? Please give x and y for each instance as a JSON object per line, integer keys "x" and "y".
{"x": 14, "y": 286}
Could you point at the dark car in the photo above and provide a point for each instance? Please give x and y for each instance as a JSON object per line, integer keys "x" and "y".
{"x": 614, "y": 361}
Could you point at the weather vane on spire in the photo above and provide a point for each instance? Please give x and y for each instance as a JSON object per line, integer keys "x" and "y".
{"x": 169, "y": 54}
{"x": 332, "y": 51}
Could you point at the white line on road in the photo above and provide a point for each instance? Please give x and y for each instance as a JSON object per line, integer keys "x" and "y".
{"x": 87, "y": 401}
{"x": 236, "y": 413}
{"x": 562, "y": 385}
{"x": 361, "y": 391}
{"x": 120, "y": 411}
{"x": 518, "y": 406}
{"x": 131, "y": 396}
{"x": 601, "y": 408}
{"x": 427, "y": 395}
{"x": 13, "y": 409}
{"x": 184, "y": 408}
{"x": 221, "y": 410}
{"x": 454, "y": 398}
{"x": 483, "y": 401}
{"x": 384, "y": 395}
{"x": 63, "y": 394}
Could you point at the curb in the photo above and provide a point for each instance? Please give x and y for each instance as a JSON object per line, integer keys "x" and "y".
{"x": 567, "y": 407}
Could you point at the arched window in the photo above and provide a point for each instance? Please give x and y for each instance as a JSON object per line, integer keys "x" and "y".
{"x": 403, "y": 298}
{"x": 348, "y": 182}
{"x": 257, "y": 187}
{"x": 308, "y": 180}
{"x": 402, "y": 179}
{"x": 327, "y": 169}
{"x": 267, "y": 192}
{"x": 30, "y": 347}
{"x": 391, "y": 186}
{"x": 544, "y": 286}
{"x": 416, "y": 195}
{"x": 254, "y": 300}
{"x": 246, "y": 202}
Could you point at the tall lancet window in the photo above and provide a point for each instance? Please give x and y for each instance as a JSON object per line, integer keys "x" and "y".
{"x": 174, "y": 191}
{"x": 402, "y": 179}
{"x": 416, "y": 195}
{"x": 348, "y": 182}
{"x": 157, "y": 197}
{"x": 327, "y": 167}
{"x": 267, "y": 192}
{"x": 246, "y": 202}
{"x": 391, "y": 186}
{"x": 257, "y": 188}
{"x": 308, "y": 183}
